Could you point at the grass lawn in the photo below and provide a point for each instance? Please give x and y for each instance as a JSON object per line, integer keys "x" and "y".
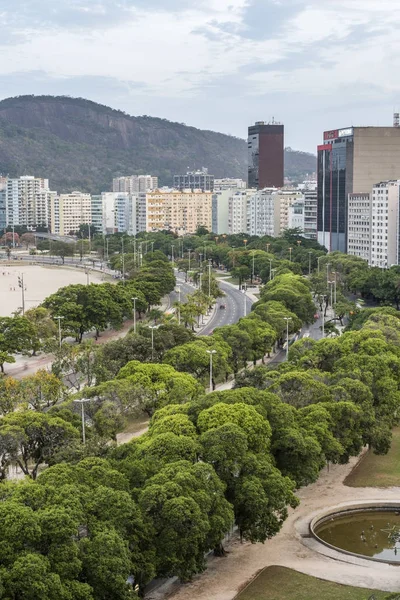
{"x": 279, "y": 583}
{"x": 378, "y": 471}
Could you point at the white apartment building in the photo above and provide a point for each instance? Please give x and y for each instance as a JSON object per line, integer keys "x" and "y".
{"x": 261, "y": 207}
{"x": 220, "y": 211}
{"x": 69, "y": 211}
{"x": 135, "y": 184}
{"x": 114, "y": 212}
{"x": 237, "y": 211}
{"x": 28, "y": 201}
{"x": 284, "y": 199}
{"x": 229, "y": 183}
{"x": 296, "y": 215}
{"x": 385, "y": 213}
{"x": 359, "y": 225}
{"x": 3, "y": 197}
{"x": 179, "y": 211}
{"x": 310, "y": 213}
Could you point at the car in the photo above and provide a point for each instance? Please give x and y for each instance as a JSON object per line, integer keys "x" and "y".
{"x": 222, "y": 306}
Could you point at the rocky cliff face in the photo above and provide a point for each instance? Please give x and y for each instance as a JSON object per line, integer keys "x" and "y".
{"x": 79, "y": 144}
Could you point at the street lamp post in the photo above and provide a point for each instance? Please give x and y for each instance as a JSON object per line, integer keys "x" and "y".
{"x": 209, "y": 277}
{"x": 270, "y": 269}
{"x": 152, "y": 327}
{"x": 82, "y": 401}
{"x": 123, "y": 261}
{"x": 179, "y": 302}
{"x": 59, "y": 329}
{"x": 327, "y": 272}
{"x": 268, "y": 245}
{"x": 172, "y": 254}
{"x": 309, "y": 261}
{"x": 189, "y": 251}
{"x": 287, "y": 319}
{"x": 273, "y": 273}
{"x": 245, "y": 299}
{"x": 134, "y": 314}
{"x": 87, "y": 271}
{"x": 290, "y": 254}
{"x": 211, "y": 352}
{"x": 21, "y": 285}
{"x": 252, "y": 273}
{"x": 318, "y": 259}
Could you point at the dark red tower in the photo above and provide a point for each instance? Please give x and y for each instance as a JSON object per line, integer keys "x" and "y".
{"x": 266, "y": 155}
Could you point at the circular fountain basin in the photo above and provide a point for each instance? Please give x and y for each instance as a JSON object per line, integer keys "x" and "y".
{"x": 369, "y": 532}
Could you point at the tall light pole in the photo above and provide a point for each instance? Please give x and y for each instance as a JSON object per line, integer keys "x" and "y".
{"x": 245, "y": 300}
{"x": 87, "y": 271}
{"x": 152, "y": 247}
{"x": 273, "y": 273}
{"x": 290, "y": 254}
{"x": 270, "y": 269}
{"x": 172, "y": 254}
{"x": 123, "y": 260}
{"x": 59, "y": 330}
{"x": 287, "y": 319}
{"x": 335, "y": 285}
{"x": 179, "y": 302}
{"x": 189, "y": 251}
{"x": 152, "y": 327}
{"x": 82, "y": 401}
{"x": 209, "y": 276}
{"x": 327, "y": 272}
{"x": 21, "y": 285}
{"x": 268, "y": 245}
{"x": 309, "y": 261}
{"x": 318, "y": 259}
{"x": 134, "y": 313}
{"x": 211, "y": 352}
{"x": 252, "y": 272}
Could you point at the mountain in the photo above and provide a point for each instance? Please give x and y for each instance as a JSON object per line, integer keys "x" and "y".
{"x": 78, "y": 144}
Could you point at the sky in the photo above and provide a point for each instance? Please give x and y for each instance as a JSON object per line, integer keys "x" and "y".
{"x": 313, "y": 65}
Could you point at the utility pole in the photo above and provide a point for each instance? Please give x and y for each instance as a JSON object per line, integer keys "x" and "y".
{"x": 245, "y": 299}
{"x": 82, "y": 401}
{"x": 287, "y": 319}
{"x": 134, "y": 314}
{"x": 252, "y": 275}
{"x": 172, "y": 254}
{"x": 270, "y": 269}
{"x": 189, "y": 251}
{"x": 211, "y": 352}
{"x": 21, "y": 285}
{"x": 327, "y": 273}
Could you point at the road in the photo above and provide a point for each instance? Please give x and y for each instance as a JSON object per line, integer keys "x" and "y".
{"x": 234, "y": 303}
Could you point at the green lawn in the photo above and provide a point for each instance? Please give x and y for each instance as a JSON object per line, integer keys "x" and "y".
{"x": 279, "y": 583}
{"x": 378, "y": 471}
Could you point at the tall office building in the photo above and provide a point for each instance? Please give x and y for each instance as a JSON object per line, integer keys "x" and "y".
{"x": 134, "y": 184}
{"x": 261, "y": 212}
{"x": 195, "y": 180}
{"x": 266, "y": 155}
{"x": 28, "y": 201}
{"x": 351, "y": 161}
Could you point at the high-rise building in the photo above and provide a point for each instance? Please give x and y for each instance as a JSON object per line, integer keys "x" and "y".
{"x": 195, "y": 180}
{"x": 296, "y": 215}
{"x": 3, "y": 204}
{"x": 237, "y": 211}
{"x": 220, "y": 211}
{"x": 359, "y": 225}
{"x": 134, "y": 184}
{"x": 115, "y": 212}
{"x": 266, "y": 155}
{"x": 310, "y": 213}
{"x": 385, "y": 224}
{"x": 229, "y": 183}
{"x": 261, "y": 212}
{"x": 28, "y": 201}
{"x": 351, "y": 161}
{"x": 69, "y": 211}
{"x": 179, "y": 211}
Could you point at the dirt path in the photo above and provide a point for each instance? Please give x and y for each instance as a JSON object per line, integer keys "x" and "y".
{"x": 226, "y": 576}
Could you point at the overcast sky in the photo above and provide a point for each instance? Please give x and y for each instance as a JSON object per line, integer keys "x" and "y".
{"x": 214, "y": 64}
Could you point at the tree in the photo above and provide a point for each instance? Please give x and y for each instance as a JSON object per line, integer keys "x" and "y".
{"x": 41, "y": 390}
{"x": 16, "y": 335}
{"x": 62, "y": 249}
{"x": 36, "y": 436}
{"x": 44, "y": 326}
{"x": 240, "y": 342}
{"x": 28, "y": 239}
{"x": 10, "y": 390}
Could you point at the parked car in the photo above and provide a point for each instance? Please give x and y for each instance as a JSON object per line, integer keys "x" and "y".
{"x": 222, "y": 306}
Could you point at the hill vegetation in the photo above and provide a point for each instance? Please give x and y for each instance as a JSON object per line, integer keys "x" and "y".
{"x": 78, "y": 144}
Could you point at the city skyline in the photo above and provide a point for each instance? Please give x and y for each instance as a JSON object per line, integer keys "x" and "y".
{"x": 222, "y": 60}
